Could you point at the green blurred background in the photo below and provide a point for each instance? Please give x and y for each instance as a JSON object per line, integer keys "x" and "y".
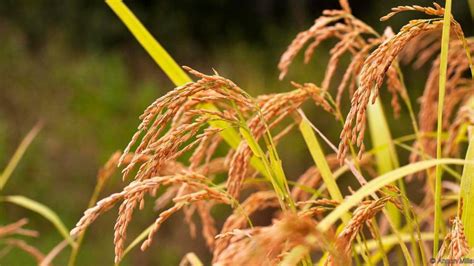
{"x": 75, "y": 67}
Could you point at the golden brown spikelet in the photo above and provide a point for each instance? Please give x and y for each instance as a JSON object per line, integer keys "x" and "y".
{"x": 179, "y": 109}
{"x": 377, "y": 65}
{"x": 239, "y": 219}
{"x": 214, "y": 166}
{"x": 272, "y": 110}
{"x": 345, "y": 5}
{"x": 350, "y": 75}
{"x": 318, "y": 31}
{"x": 175, "y": 124}
{"x": 264, "y": 245}
{"x": 313, "y": 208}
{"x": 349, "y": 33}
{"x": 455, "y": 245}
{"x": 457, "y": 99}
{"x": 457, "y": 90}
{"x": 346, "y": 44}
{"x": 208, "y": 224}
{"x": 422, "y": 48}
{"x": 465, "y": 116}
{"x": 352, "y": 35}
{"x": 205, "y": 148}
{"x": 206, "y": 194}
{"x": 372, "y": 71}
{"x": 436, "y": 11}
{"x": 8, "y": 237}
{"x": 362, "y": 215}
{"x": 135, "y": 191}
{"x": 395, "y": 87}
{"x": 371, "y": 78}
{"x": 16, "y": 228}
{"x": 175, "y": 146}
{"x": 31, "y": 250}
{"x": 457, "y": 66}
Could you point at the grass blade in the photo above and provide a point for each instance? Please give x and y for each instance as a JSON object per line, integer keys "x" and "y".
{"x": 467, "y": 193}
{"x": 378, "y": 183}
{"x": 387, "y": 160}
{"x": 320, "y": 160}
{"x": 273, "y": 170}
{"x": 390, "y": 240}
{"x": 42, "y": 210}
{"x": 20, "y": 151}
{"x": 442, "y": 91}
{"x": 385, "y": 153}
{"x": 153, "y": 47}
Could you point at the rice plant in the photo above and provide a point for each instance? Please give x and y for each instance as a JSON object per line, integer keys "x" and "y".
{"x": 209, "y": 142}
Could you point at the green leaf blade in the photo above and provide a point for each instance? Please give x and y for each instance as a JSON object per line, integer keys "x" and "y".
{"x": 379, "y": 182}
{"x": 42, "y": 210}
{"x": 320, "y": 160}
{"x": 467, "y": 194}
{"x": 20, "y": 151}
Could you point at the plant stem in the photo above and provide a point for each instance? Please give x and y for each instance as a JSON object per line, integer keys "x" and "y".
{"x": 442, "y": 90}
{"x": 80, "y": 238}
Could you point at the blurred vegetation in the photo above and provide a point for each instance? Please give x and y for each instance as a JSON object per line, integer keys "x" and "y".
{"x": 74, "y": 66}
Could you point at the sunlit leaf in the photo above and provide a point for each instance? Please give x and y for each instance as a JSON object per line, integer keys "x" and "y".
{"x": 443, "y": 66}
{"x": 42, "y": 210}
{"x": 377, "y": 183}
{"x": 467, "y": 194}
{"x": 319, "y": 158}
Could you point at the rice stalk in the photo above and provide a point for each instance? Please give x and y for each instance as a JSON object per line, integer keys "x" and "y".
{"x": 103, "y": 175}
{"x": 16, "y": 228}
{"x": 363, "y": 214}
{"x": 53, "y": 253}
{"x": 454, "y": 246}
{"x": 33, "y": 251}
{"x": 442, "y": 90}
{"x": 136, "y": 190}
